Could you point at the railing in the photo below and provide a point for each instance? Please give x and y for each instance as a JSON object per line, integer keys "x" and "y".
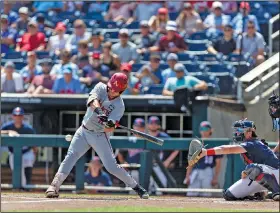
{"x": 234, "y": 165}
{"x": 260, "y": 79}
{"x": 272, "y": 35}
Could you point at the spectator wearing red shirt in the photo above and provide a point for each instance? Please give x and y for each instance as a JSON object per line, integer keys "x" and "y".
{"x": 172, "y": 41}
{"x": 32, "y": 40}
{"x": 42, "y": 84}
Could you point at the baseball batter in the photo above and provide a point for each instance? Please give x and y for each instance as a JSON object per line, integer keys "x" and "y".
{"x": 105, "y": 108}
{"x": 262, "y": 170}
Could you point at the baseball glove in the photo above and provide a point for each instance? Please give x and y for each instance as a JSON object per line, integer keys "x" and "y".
{"x": 195, "y": 149}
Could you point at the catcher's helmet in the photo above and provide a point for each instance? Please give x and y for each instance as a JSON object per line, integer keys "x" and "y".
{"x": 242, "y": 126}
{"x": 118, "y": 82}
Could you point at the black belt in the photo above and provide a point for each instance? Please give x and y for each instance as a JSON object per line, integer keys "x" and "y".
{"x": 85, "y": 127}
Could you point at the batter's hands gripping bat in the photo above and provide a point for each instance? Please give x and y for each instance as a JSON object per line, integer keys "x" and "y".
{"x": 143, "y": 135}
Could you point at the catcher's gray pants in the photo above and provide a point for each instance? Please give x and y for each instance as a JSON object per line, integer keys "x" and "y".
{"x": 80, "y": 144}
{"x": 240, "y": 189}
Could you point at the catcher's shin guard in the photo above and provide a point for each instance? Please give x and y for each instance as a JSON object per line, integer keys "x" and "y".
{"x": 228, "y": 195}
{"x": 268, "y": 181}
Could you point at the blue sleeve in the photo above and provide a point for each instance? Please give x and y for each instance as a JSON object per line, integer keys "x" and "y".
{"x": 167, "y": 84}
{"x": 4, "y": 127}
{"x": 194, "y": 81}
{"x": 107, "y": 180}
{"x": 207, "y": 21}
{"x": 56, "y": 86}
{"x": 77, "y": 87}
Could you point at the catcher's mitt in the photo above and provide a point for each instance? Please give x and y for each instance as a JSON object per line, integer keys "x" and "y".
{"x": 195, "y": 149}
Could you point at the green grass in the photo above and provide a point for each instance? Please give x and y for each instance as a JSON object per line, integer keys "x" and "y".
{"x": 151, "y": 209}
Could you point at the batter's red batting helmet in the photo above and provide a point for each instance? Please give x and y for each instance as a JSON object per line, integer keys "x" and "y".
{"x": 118, "y": 82}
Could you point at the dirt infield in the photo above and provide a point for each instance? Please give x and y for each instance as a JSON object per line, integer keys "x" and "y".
{"x": 37, "y": 201}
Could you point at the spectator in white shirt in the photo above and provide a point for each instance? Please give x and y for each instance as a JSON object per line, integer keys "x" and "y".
{"x": 79, "y": 34}
{"x": 11, "y": 82}
{"x": 58, "y": 41}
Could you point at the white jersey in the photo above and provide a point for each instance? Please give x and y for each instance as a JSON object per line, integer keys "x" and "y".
{"x": 114, "y": 109}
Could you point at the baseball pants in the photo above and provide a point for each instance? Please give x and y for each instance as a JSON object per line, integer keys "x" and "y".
{"x": 201, "y": 179}
{"x": 80, "y": 144}
{"x": 240, "y": 189}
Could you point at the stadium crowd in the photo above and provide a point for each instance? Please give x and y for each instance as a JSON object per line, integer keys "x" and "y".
{"x": 68, "y": 47}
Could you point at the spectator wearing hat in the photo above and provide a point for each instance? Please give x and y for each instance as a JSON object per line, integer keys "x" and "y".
{"x": 91, "y": 75}
{"x": 80, "y": 33}
{"x": 181, "y": 80}
{"x": 45, "y": 6}
{"x": 67, "y": 84}
{"x": 120, "y": 12}
{"x": 7, "y": 10}
{"x": 133, "y": 155}
{"x": 125, "y": 49}
{"x": 95, "y": 175}
{"x": 154, "y": 129}
{"x": 31, "y": 70}
{"x": 172, "y": 42}
{"x": 8, "y": 35}
{"x": 150, "y": 74}
{"x": 158, "y": 22}
{"x": 42, "y": 84}
{"x": 32, "y": 39}
{"x": 240, "y": 21}
{"x": 97, "y": 66}
{"x": 109, "y": 59}
{"x": 189, "y": 20}
{"x": 96, "y": 42}
{"x": 11, "y": 81}
{"x": 28, "y": 154}
{"x": 58, "y": 41}
{"x": 133, "y": 87}
{"x": 65, "y": 61}
{"x": 216, "y": 21}
{"x": 82, "y": 58}
{"x": 252, "y": 43}
{"x": 22, "y": 22}
{"x": 224, "y": 45}
{"x": 150, "y": 8}
{"x": 146, "y": 39}
{"x": 172, "y": 59}
{"x": 205, "y": 174}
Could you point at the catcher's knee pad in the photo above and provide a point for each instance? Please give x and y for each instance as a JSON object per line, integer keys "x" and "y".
{"x": 268, "y": 181}
{"x": 228, "y": 195}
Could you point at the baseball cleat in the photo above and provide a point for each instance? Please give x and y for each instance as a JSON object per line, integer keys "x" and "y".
{"x": 51, "y": 192}
{"x": 276, "y": 197}
{"x": 141, "y": 192}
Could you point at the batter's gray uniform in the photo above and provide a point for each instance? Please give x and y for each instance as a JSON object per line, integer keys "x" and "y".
{"x": 91, "y": 134}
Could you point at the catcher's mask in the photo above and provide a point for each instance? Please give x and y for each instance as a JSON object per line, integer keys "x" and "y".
{"x": 242, "y": 126}
{"x": 274, "y": 110}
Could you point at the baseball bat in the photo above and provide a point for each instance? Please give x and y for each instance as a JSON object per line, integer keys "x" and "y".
{"x": 143, "y": 135}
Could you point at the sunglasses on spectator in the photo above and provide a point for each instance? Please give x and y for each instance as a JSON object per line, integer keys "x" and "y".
{"x": 227, "y": 29}
{"x": 187, "y": 8}
{"x": 124, "y": 35}
{"x": 78, "y": 26}
{"x": 251, "y": 27}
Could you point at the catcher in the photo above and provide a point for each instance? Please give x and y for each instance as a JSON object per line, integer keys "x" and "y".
{"x": 262, "y": 170}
